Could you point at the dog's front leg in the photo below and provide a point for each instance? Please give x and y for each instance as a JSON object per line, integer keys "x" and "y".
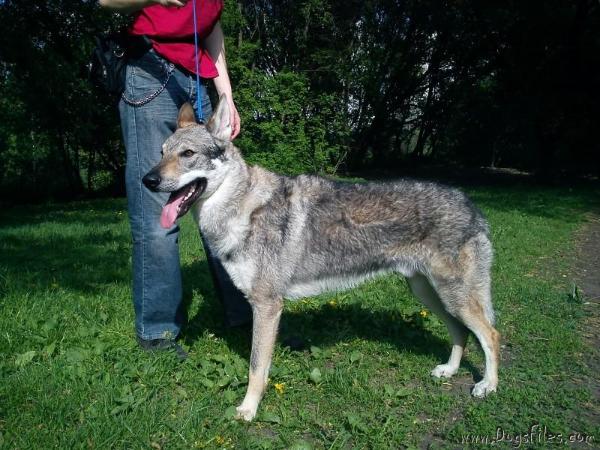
{"x": 266, "y": 312}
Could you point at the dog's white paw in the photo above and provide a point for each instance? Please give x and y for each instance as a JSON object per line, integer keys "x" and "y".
{"x": 444, "y": 371}
{"x": 483, "y": 388}
{"x": 244, "y": 413}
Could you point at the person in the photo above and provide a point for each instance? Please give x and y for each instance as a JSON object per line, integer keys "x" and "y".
{"x": 157, "y": 83}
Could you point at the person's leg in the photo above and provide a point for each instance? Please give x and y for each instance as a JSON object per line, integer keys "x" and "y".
{"x": 237, "y": 309}
{"x": 148, "y": 117}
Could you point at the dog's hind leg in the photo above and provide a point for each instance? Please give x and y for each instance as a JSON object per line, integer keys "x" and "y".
{"x": 464, "y": 289}
{"x": 266, "y": 313}
{"x": 473, "y": 315}
{"x": 423, "y": 290}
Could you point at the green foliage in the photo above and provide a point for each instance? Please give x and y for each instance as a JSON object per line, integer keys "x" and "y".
{"x": 281, "y": 132}
{"x": 57, "y": 127}
{"x": 323, "y": 86}
{"x": 287, "y": 126}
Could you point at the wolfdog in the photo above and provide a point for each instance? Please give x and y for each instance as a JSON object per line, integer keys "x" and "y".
{"x": 291, "y": 237}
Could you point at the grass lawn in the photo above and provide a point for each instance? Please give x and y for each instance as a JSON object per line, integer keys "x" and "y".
{"x": 71, "y": 375}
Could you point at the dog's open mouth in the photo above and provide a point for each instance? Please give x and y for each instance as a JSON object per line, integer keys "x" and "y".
{"x": 181, "y": 201}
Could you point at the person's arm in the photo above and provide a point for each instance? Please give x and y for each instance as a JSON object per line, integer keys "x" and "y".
{"x": 214, "y": 44}
{"x": 128, "y": 6}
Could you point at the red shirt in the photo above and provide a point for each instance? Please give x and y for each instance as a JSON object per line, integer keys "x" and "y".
{"x": 171, "y": 30}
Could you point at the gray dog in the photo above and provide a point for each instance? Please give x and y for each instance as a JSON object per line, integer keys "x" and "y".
{"x": 281, "y": 237}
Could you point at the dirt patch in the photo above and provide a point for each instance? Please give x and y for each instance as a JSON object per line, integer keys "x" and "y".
{"x": 587, "y": 276}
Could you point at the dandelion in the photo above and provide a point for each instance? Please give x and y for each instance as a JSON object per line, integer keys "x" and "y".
{"x": 332, "y": 303}
{"x": 279, "y": 387}
{"x": 423, "y": 313}
{"x": 220, "y": 440}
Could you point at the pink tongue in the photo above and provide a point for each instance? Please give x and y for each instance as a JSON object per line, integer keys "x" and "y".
{"x": 169, "y": 212}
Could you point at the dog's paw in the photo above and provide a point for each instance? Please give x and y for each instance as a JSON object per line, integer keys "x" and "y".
{"x": 483, "y": 388}
{"x": 444, "y": 371}
{"x": 244, "y": 413}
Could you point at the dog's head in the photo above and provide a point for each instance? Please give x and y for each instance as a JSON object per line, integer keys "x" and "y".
{"x": 193, "y": 163}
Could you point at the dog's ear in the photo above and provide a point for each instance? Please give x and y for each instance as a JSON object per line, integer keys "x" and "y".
{"x": 186, "y": 117}
{"x": 219, "y": 124}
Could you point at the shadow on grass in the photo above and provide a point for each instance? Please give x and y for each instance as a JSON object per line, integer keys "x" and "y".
{"x": 321, "y": 327}
{"x": 84, "y": 212}
{"x": 85, "y": 264}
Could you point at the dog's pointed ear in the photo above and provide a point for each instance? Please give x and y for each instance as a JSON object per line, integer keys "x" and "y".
{"x": 186, "y": 117}
{"x": 219, "y": 124}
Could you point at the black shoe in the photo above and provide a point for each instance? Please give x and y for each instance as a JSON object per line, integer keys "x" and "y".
{"x": 154, "y": 345}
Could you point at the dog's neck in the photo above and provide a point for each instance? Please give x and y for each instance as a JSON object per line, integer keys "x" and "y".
{"x": 225, "y": 215}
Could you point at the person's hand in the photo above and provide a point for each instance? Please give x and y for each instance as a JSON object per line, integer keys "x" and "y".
{"x": 235, "y": 120}
{"x": 179, "y": 3}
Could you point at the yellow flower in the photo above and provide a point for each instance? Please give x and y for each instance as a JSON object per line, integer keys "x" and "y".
{"x": 279, "y": 387}
{"x": 220, "y": 440}
{"x": 423, "y": 313}
{"x": 332, "y": 303}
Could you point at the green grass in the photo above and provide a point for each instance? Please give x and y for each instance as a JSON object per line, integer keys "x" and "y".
{"x": 71, "y": 375}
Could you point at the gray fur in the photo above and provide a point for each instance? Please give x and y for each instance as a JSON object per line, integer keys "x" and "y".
{"x": 281, "y": 236}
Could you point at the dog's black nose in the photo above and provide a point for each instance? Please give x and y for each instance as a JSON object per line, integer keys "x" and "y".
{"x": 151, "y": 180}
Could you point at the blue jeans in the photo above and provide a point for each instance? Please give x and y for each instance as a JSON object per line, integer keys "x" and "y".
{"x": 154, "y": 92}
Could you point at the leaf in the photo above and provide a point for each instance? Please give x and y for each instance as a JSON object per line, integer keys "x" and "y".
{"x": 230, "y": 412}
{"x": 49, "y": 324}
{"x": 315, "y": 376}
{"x": 223, "y": 381}
{"x": 219, "y": 358}
{"x": 181, "y": 392}
{"x": 229, "y": 370}
{"x": 117, "y": 409}
{"x": 76, "y": 355}
{"x": 575, "y": 294}
{"x": 24, "y": 358}
{"x": 355, "y": 422}
{"x": 315, "y": 351}
{"x": 206, "y": 382}
{"x": 126, "y": 399}
{"x": 99, "y": 347}
{"x": 49, "y": 349}
{"x": 301, "y": 445}
{"x": 229, "y": 396}
{"x": 355, "y": 356}
{"x": 270, "y": 417}
{"x": 389, "y": 390}
{"x": 403, "y": 392}
{"x": 241, "y": 370}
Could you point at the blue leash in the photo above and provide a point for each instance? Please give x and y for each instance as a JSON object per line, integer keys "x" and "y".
{"x": 198, "y": 108}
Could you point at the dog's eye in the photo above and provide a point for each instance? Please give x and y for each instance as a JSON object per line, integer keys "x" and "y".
{"x": 189, "y": 153}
